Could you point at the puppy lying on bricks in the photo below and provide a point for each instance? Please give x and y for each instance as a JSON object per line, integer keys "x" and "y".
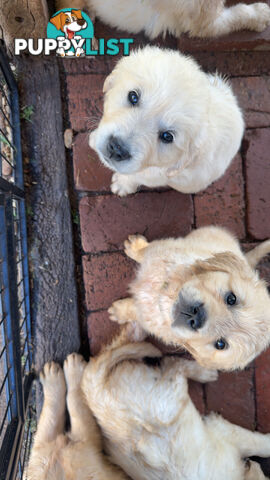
{"x": 166, "y": 122}
{"x": 202, "y": 293}
{"x": 153, "y": 430}
{"x": 198, "y": 18}
{"x": 75, "y": 455}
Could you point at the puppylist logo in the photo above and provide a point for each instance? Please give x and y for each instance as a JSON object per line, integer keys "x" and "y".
{"x": 70, "y": 33}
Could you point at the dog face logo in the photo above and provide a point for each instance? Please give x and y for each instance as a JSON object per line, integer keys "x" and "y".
{"x": 69, "y": 22}
{"x": 70, "y": 27}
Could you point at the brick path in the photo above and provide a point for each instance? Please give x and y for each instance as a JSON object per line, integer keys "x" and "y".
{"x": 240, "y": 200}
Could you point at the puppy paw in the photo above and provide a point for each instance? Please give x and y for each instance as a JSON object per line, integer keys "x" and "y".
{"x": 261, "y": 17}
{"x": 133, "y": 245}
{"x": 53, "y": 380}
{"x": 80, "y": 52}
{"x": 74, "y": 366}
{"x": 122, "y": 185}
{"x": 208, "y": 376}
{"x": 119, "y": 311}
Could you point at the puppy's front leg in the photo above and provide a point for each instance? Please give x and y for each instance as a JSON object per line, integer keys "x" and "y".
{"x": 123, "y": 311}
{"x": 135, "y": 247}
{"x": 83, "y": 425}
{"x": 149, "y": 177}
{"x": 52, "y": 418}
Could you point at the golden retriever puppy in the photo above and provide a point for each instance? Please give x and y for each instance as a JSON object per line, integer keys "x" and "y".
{"x": 75, "y": 455}
{"x": 200, "y": 292}
{"x": 153, "y": 430}
{"x": 199, "y": 18}
{"x": 166, "y": 122}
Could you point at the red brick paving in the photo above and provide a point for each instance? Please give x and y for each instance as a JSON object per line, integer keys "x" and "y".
{"x": 107, "y": 220}
{"x": 258, "y": 182}
{"x": 89, "y": 173}
{"x": 240, "y": 200}
{"x": 106, "y": 278}
{"x": 263, "y": 391}
{"x": 228, "y": 207}
{"x": 233, "y": 396}
{"x": 254, "y": 96}
{"x": 100, "y": 330}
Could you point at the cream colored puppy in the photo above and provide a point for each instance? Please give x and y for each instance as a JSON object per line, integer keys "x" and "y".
{"x": 199, "y": 18}
{"x": 166, "y": 122}
{"x": 153, "y": 430}
{"x": 74, "y": 455}
{"x": 200, "y": 292}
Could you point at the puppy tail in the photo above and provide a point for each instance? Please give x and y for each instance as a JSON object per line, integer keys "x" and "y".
{"x": 256, "y": 254}
{"x": 100, "y": 368}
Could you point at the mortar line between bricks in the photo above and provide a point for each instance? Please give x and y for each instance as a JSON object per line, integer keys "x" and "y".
{"x": 76, "y": 74}
{"x": 99, "y": 310}
{"x": 103, "y": 252}
{"x": 74, "y": 207}
{"x": 194, "y": 223}
{"x": 205, "y": 398}
{"x": 248, "y": 76}
{"x": 258, "y": 128}
{"x": 255, "y": 397}
{"x": 245, "y": 193}
{"x": 93, "y": 193}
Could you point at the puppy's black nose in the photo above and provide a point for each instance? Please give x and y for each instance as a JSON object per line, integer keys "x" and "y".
{"x": 196, "y": 316}
{"x": 117, "y": 150}
{"x": 81, "y": 21}
{"x": 189, "y": 315}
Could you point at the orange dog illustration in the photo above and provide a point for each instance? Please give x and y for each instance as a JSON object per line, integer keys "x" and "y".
{"x": 70, "y": 23}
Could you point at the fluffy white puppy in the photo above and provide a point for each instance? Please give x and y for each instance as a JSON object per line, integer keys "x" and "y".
{"x": 200, "y": 18}
{"x": 153, "y": 430}
{"x": 166, "y": 122}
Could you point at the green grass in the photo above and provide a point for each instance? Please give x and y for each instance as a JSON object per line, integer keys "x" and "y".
{"x": 75, "y": 217}
{"x": 26, "y": 113}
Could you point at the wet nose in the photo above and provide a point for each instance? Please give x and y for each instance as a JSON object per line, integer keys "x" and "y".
{"x": 117, "y": 149}
{"x": 196, "y": 316}
{"x": 80, "y": 21}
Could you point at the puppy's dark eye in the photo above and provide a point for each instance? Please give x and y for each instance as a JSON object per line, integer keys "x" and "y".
{"x": 67, "y": 20}
{"x": 230, "y": 299}
{"x": 221, "y": 344}
{"x": 133, "y": 97}
{"x": 166, "y": 137}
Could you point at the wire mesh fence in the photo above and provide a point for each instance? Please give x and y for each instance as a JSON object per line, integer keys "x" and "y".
{"x": 17, "y": 415}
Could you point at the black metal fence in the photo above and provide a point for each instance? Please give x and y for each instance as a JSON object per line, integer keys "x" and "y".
{"x": 17, "y": 418}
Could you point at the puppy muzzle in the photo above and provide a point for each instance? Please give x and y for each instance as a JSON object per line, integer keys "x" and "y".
{"x": 191, "y": 315}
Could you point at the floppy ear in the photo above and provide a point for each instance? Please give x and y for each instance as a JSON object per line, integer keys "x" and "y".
{"x": 77, "y": 13}
{"x": 222, "y": 262}
{"x": 256, "y": 254}
{"x": 57, "y": 21}
{"x": 108, "y": 83}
